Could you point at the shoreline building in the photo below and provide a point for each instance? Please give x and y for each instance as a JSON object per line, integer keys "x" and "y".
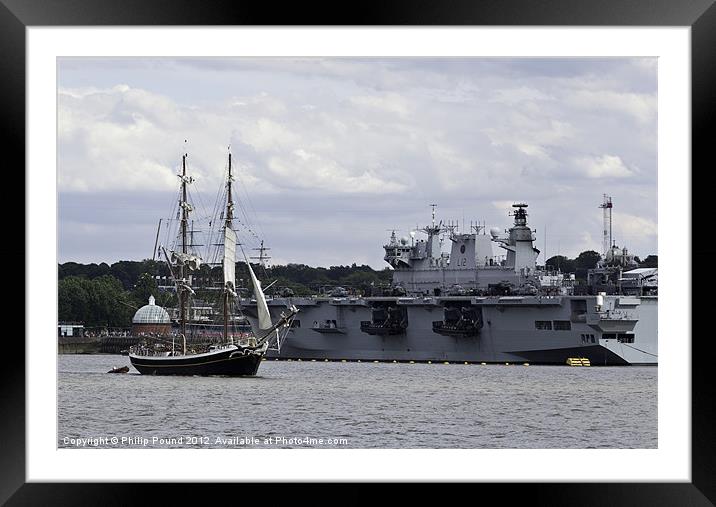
{"x": 151, "y": 318}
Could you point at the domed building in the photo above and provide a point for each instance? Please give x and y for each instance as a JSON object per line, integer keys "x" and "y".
{"x": 151, "y": 319}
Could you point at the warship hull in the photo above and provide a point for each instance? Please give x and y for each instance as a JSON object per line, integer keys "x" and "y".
{"x": 533, "y": 329}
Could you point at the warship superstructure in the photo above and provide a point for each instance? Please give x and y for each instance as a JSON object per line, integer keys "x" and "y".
{"x": 472, "y": 305}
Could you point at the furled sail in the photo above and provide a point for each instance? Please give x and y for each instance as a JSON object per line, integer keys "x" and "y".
{"x": 192, "y": 262}
{"x": 263, "y": 311}
{"x": 229, "y": 256}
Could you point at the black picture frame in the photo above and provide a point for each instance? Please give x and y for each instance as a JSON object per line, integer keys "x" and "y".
{"x": 700, "y": 15}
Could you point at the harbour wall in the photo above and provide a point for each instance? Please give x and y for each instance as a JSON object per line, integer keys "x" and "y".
{"x": 109, "y": 344}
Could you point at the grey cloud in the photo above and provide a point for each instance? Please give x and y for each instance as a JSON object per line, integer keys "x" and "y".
{"x": 326, "y": 146}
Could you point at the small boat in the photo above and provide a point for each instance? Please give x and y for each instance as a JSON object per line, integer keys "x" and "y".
{"x": 119, "y": 369}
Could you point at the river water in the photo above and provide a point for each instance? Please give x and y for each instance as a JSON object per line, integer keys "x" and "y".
{"x": 358, "y": 405}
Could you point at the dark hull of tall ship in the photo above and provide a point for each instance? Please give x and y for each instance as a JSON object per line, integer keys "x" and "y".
{"x": 230, "y": 362}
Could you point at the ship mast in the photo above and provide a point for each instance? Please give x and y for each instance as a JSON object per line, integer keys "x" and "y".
{"x": 184, "y": 218}
{"x": 261, "y": 257}
{"x": 227, "y": 225}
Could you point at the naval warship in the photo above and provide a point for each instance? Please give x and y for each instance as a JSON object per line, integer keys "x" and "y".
{"x": 470, "y": 305}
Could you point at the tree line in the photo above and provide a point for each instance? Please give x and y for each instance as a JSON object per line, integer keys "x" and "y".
{"x": 100, "y": 295}
{"x": 588, "y": 260}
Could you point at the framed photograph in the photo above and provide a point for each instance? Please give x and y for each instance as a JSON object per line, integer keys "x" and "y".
{"x": 421, "y": 224}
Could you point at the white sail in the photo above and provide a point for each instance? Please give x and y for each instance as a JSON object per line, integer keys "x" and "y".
{"x": 263, "y": 311}
{"x": 229, "y": 256}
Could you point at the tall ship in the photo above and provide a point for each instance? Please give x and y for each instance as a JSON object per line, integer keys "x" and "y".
{"x": 215, "y": 341}
{"x": 472, "y": 305}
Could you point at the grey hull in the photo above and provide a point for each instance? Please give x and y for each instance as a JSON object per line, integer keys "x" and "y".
{"x": 331, "y": 329}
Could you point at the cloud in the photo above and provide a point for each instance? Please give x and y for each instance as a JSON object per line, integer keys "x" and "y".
{"x": 603, "y": 166}
{"x": 391, "y": 103}
{"x": 531, "y": 135}
{"x": 640, "y": 106}
{"x": 632, "y": 230}
{"x": 504, "y": 205}
{"x": 362, "y": 144}
{"x": 124, "y": 138}
{"x": 512, "y": 96}
{"x": 311, "y": 171}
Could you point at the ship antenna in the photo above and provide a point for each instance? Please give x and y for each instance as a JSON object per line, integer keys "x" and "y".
{"x": 607, "y": 231}
{"x": 433, "y": 206}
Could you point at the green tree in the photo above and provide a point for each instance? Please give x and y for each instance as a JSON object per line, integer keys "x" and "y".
{"x": 585, "y": 261}
{"x": 136, "y": 278}
{"x": 561, "y": 263}
{"x": 651, "y": 261}
{"x": 146, "y": 286}
{"x": 98, "y": 302}
{"x": 73, "y": 299}
{"x": 110, "y": 304}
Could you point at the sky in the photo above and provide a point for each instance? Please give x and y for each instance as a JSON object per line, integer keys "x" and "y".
{"x": 332, "y": 154}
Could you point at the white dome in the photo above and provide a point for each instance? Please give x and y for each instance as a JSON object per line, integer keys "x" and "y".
{"x": 151, "y": 314}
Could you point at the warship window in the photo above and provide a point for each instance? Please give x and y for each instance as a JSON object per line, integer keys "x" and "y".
{"x": 543, "y": 325}
{"x": 562, "y": 325}
{"x": 592, "y": 337}
{"x": 625, "y": 338}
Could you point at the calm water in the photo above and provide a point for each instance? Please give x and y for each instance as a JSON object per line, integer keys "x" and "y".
{"x": 362, "y": 405}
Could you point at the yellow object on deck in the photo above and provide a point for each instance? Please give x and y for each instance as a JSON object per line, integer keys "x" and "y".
{"x": 578, "y": 361}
